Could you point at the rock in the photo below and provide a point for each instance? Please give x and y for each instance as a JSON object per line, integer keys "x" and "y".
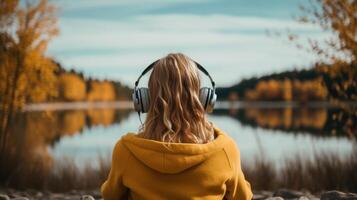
{"x": 73, "y": 192}
{"x": 4, "y": 197}
{"x": 96, "y": 194}
{"x": 259, "y": 197}
{"x": 267, "y": 193}
{"x": 20, "y": 198}
{"x": 87, "y": 197}
{"x": 46, "y": 192}
{"x": 337, "y": 195}
{"x": 304, "y": 198}
{"x": 274, "y": 198}
{"x": 30, "y": 192}
{"x": 17, "y": 195}
{"x": 39, "y": 194}
{"x": 55, "y": 196}
{"x": 288, "y": 194}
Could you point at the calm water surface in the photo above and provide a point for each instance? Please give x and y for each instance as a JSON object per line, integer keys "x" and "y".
{"x": 272, "y": 133}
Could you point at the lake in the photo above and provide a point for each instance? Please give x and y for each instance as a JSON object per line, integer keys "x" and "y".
{"x": 273, "y": 131}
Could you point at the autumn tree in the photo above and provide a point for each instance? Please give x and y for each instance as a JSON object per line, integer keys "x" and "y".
{"x": 337, "y": 17}
{"x": 26, "y": 73}
{"x": 339, "y": 51}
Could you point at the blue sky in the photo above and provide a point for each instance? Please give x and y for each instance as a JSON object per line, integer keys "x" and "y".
{"x": 117, "y": 39}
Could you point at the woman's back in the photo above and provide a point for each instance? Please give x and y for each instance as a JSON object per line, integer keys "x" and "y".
{"x": 176, "y": 154}
{"x": 147, "y": 169}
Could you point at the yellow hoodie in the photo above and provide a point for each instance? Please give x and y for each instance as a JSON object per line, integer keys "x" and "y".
{"x": 146, "y": 169}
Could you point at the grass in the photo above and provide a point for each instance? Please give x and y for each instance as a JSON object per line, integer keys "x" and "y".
{"x": 324, "y": 171}
{"x": 64, "y": 176}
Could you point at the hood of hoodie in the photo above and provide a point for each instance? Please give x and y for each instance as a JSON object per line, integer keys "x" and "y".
{"x": 175, "y": 158}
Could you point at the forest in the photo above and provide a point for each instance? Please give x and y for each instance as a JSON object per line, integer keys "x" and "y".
{"x": 321, "y": 82}
{"x": 74, "y": 86}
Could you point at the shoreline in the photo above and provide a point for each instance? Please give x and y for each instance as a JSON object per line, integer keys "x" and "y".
{"x": 80, "y": 105}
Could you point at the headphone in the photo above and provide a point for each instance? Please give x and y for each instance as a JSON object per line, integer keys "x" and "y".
{"x": 141, "y": 98}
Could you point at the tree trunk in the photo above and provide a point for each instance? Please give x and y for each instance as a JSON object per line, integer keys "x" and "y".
{"x": 7, "y": 116}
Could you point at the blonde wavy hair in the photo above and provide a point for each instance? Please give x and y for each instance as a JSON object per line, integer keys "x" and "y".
{"x": 175, "y": 114}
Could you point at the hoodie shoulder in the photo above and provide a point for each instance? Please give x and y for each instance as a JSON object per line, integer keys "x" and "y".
{"x": 229, "y": 140}
{"x": 120, "y": 154}
{"x": 232, "y": 151}
{"x": 120, "y": 144}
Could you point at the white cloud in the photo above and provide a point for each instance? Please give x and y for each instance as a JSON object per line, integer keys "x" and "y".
{"x": 217, "y": 22}
{"x": 83, "y": 4}
{"x": 225, "y": 64}
{"x": 220, "y": 42}
{"x": 166, "y": 31}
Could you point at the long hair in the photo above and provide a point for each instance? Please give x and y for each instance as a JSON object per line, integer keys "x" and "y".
{"x": 175, "y": 114}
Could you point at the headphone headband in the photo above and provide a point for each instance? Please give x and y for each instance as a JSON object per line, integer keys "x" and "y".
{"x": 199, "y": 66}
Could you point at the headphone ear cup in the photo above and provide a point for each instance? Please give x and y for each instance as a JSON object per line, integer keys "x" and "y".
{"x": 144, "y": 99}
{"x": 204, "y": 96}
{"x": 136, "y": 100}
{"x": 207, "y": 98}
{"x": 212, "y": 102}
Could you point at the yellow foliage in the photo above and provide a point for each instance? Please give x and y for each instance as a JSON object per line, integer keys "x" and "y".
{"x": 39, "y": 69}
{"x": 287, "y": 87}
{"x": 72, "y": 87}
{"x": 288, "y": 90}
{"x": 341, "y": 78}
{"x": 101, "y": 91}
{"x": 337, "y": 17}
{"x": 26, "y": 73}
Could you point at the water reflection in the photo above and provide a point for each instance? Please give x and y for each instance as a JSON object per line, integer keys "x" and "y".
{"x": 47, "y": 136}
{"x": 33, "y": 135}
{"x": 315, "y": 121}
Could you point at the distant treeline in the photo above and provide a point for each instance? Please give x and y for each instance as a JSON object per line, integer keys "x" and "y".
{"x": 318, "y": 83}
{"x": 73, "y": 86}
{"x": 321, "y": 82}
